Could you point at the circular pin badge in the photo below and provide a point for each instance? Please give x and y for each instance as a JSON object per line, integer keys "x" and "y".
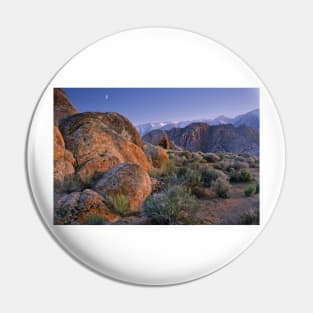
{"x": 155, "y": 156}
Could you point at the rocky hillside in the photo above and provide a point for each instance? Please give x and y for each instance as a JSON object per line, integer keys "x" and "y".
{"x": 216, "y": 138}
{"x": 100, "y": 168}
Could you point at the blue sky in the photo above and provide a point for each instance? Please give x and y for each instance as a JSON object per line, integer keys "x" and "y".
{"x": 142, "y": 105}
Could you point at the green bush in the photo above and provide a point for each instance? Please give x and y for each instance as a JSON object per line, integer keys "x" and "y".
{"x": 221, "y": 187}
{"x": 208, "y": 176}
{"x": 243, "y": 175}
{"x": 181, "y": 171}
{"x": 120, "y": 204}
{"x": 229, "y": 165}
{"x": 165, "y": 207}
{"x": 95, "y": 219}
{"x": 250, "y": 190}
{"x": 188, "y": 176}
{"x": 168, "y": 168}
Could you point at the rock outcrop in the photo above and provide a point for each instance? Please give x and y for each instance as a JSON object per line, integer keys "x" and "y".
{"x": 217, "y": 138}
{"x": 62, "y": 106}
{"x": 157, "y": 155}
{"x": 91, "y": 170}
{"x": 158, "y": 138}
{"x": 94, "y": 135}
{"x": 63, "y": 162}
{"x": 97, "y": 158}
{"x": 126, "y": 179}
{"x": 75, "y": 207}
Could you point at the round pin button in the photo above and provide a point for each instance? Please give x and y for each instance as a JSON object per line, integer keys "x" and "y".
{"x": 155, "y": 156}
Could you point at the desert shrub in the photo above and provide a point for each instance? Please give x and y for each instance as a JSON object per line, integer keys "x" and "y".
{"x": 168, "y": 168}
{"x": 238, "y": 165}
{"x": 120, "y": 204}
{"x": 186, "y": 154}
{"x": 250, "y": 217}
{"x": 229, "y": 165}
{"x": 221, "y": 187}
{"x": 155, "y": 172}
{"x": 211, "y": 157}
{"x": 199, "y": 192}
{"x": 188, "y": 176}
{"x": 208, "y": 176}
{"x": 165, "y": 207}
{"x": 252, "y": 161}
{"x": 257, "y": 188}
{"x": 193, "y": 178}
{"x": 181, "y": 171}
{"x": 243, "y": 175}
{"x": 197, "y": 157}
{"x": 196, "y": 166}
{"x": 221, "y": 155}
{"x": 250, "y": 190}
{"x": 95, "y": 219}
{"x": 240, "y": 158}
{"x": 218, "y": 166}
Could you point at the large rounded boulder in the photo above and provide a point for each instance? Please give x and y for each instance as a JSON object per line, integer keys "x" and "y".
{"x": 125, "y": 180}
{"x": 76, "y": 207}
{"x": 63, "y": 162}
{"x": 94, "y": 135}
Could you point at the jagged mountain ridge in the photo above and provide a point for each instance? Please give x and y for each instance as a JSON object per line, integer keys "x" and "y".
{"x": 250, "y": 119}
{"x": 214, "y": 138}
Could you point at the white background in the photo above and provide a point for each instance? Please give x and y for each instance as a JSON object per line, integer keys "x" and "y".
{"x": 37, "y": 37}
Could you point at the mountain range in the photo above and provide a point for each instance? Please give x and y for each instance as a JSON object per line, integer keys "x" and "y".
{"x": 251, "y": 119}
{"x": 215, "y": 138}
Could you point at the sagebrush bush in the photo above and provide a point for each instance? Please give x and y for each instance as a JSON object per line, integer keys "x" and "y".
{"x": 250, "y": 190}
{"x": 199, "y": 192}
{"x": 188, "y": 176}
{"x": 211, "y": 157}
{"x": 208, "y": 176}
{"x": 165, "y": 207}
{"x": 120, "y": 204}
{"x": 243, "y": 175}
{"x": 95, "y": 219}
{"x": 252, "y": 161}
{"x": 218, "y": 166}
{"x": 250, "y": 217}
{"x": 221, "y": 187}
{"x": 168, "y": 168}
{"x": 197, "y": 157}
{"x": 229, "y": 165}
{"x": 186, "y": 154}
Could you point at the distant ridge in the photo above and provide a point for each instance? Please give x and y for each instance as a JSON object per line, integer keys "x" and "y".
{"x": 251, "y": 119}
